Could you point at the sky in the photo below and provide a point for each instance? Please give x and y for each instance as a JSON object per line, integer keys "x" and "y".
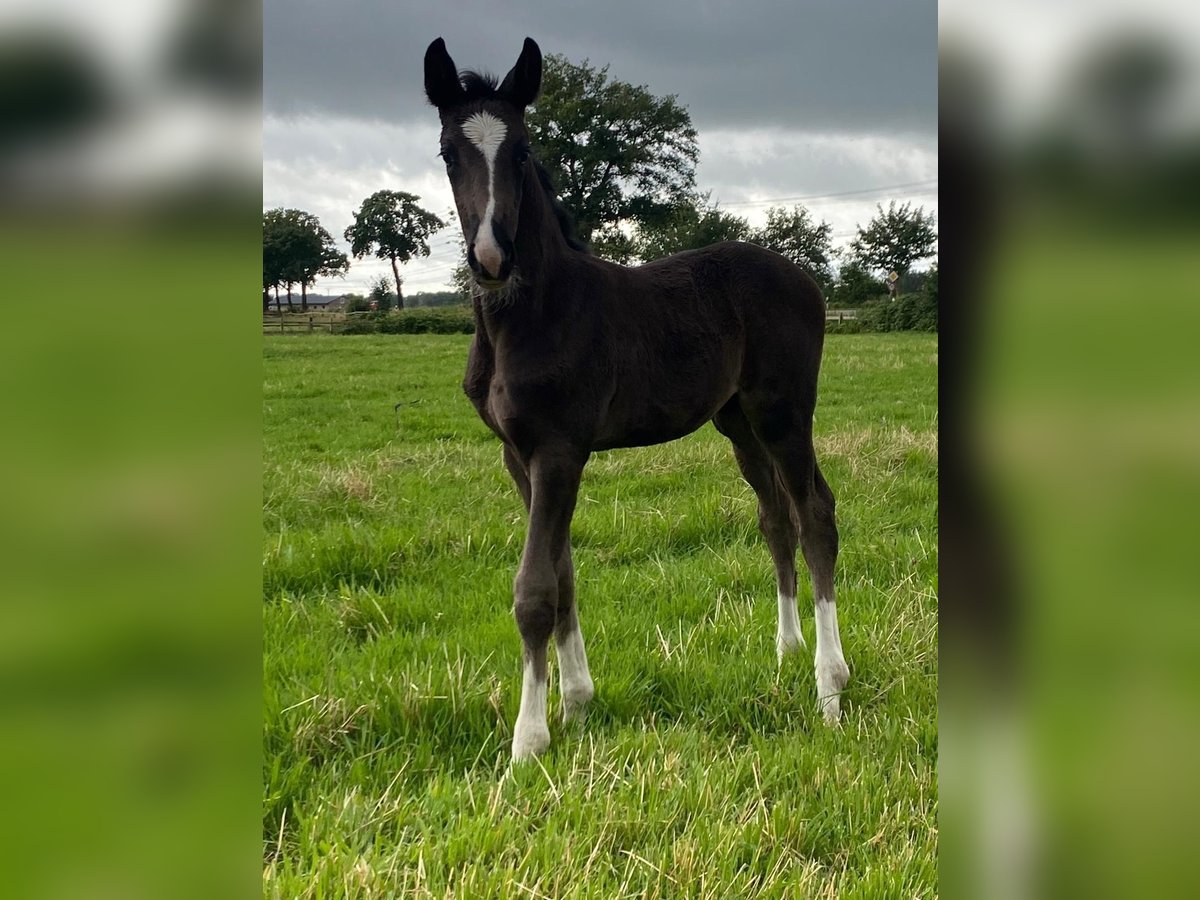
{"x": 829, "y": 104}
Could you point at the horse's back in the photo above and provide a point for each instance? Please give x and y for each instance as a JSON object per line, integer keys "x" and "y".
{"x": 768, "y": 304}
{"x": 779, "y": 312}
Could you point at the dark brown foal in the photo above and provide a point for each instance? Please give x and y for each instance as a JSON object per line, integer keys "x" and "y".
{"x": 573, "y": 354}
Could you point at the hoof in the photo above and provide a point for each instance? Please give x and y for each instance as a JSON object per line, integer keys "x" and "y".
{"x": 787, "y": 643}
{"x": 529, "y": 741}
{"x": 832, "y": 675}
{"x": 575, "y": 701}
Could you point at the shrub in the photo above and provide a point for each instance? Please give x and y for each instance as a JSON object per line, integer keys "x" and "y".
{"x": 422, "y": 320}
{"x": 910, "y": 312}
{"x": 359, "y": 325}
{"x": 845, "y": 326}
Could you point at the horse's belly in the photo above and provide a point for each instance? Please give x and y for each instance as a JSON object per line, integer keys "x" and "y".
{"x": 657, "y": 423}
{"x": 668, "y": 401}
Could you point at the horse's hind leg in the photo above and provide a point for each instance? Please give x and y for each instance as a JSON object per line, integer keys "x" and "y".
{"x": 574, "y": 678}
{"x": 776, "y": 518}
{"x": 817, "y": 519}
{"x": 786, "y": 433}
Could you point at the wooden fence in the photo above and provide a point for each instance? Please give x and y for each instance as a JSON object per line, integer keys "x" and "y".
{"x": 295, "y": 324}
{"x": 330, "y": 323}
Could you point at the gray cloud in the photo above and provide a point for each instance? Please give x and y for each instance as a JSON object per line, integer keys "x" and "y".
{"x": 848, "y": 65}
{"x": 790, "y": 100}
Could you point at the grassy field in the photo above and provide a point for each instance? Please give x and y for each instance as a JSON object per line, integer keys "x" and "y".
{"x": 392, "y": 664}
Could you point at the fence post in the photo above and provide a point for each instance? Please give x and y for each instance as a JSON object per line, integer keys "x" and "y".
{"x": 310, "y": 324}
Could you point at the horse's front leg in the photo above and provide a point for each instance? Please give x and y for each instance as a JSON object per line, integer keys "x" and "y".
{"x": 575, "y": 680}
{"x": 553, "y": 486}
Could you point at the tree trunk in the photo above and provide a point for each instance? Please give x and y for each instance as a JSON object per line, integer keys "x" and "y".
{"x": 277, "y": 297}
{"x": 266, "y": 300}
{"x": 291, "y": 308}
{"x": 396, "y": 274}
{"x": 304, "y": 296}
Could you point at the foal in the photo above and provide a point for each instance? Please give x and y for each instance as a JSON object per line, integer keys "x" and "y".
{"x": 573, "y": 354}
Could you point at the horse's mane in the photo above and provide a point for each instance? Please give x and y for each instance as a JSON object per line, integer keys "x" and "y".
{"x": 479, "y": 85}
{"x": 566, "y": 223}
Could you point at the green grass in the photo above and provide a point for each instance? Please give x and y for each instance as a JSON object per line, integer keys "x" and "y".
{"x": 392, "y": 664}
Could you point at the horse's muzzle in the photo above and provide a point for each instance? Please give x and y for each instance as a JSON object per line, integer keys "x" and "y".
{"x": 495, "y": 268}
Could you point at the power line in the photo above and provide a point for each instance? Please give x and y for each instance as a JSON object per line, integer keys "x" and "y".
{"x": 929, "y": 183}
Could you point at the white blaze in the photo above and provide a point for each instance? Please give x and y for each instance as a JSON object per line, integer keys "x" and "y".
{"x": 486, "y": 133}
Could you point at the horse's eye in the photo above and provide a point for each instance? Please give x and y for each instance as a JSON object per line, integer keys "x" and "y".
{"x": 521, "y": 155}
{"x": 449, "y": 156}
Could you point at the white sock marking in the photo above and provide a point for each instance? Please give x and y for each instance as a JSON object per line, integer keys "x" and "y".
{"x": 830, "y": 665}
{"x": 531, "y": 734}
{"x": 487, "y": 132}
{"x": 575, "y": 681}
{"x": 788, "y": 636}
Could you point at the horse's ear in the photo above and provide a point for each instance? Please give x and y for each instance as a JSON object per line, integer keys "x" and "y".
{"x": 442, "y": 86}
{"x": 523, "y": 81}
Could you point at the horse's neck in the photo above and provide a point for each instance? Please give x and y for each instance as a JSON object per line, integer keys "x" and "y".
{"x": 540, "y": 246}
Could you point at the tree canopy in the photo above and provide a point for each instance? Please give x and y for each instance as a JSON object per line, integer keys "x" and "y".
{"x": 393, "y": 226}
{"x": 854, "y": 286}
{"x": 688, "y": 226}
{"x": 615, "y": 152}
{"x": 297, "y": 249}
{"x": 895, "y": 238}
{"x": 794, "y": 233}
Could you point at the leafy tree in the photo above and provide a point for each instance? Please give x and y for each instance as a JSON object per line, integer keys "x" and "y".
{"x": 284, "y": 244}
{"x": 795, "y": 234}
{"x": 297, "y": 249}
{"x": 325, "y": 259}
{"x": 688, "y": 226}
{"x": 393, "y": 226}
{"x": 615, "y": 152}
{"x": 462, "y": 279}
{"x": 273, "y": 256}
{"x": 354, "y": 303}
{"x": 854, "y": 286}
{"x": 380, "y": 297}
{"x": 895, "y": 238}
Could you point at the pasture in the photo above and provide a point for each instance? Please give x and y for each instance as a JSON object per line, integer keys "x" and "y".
{"x": 391, "y": 663}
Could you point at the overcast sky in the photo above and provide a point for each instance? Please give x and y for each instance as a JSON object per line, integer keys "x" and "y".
{"x": 793, "y": 102}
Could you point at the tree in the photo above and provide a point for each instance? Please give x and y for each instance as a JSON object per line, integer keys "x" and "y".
{"x": 380, "y": 297}
{"x": 615, "y": 152}
{"x": 795, "y": 234}
{"x": 854, "y": 286}
{"x": 688, "y": 227}
{"x": 283, "y": 244}
{"x": 393, "y": 226}
{"x": 297, "y": 249}
{"x": 326, "y": 259}
{"x": 273, "y": 257}
{"x": 895, "y": 239}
